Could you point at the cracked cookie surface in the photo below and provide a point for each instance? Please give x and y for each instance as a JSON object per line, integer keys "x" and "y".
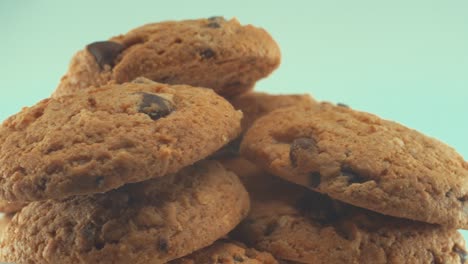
{"x": 148, "y": 222}
{"x": 363, "y": 160}
{"x": 215, "y": 53}
{"x": 97, "y": 140}
{"x": 302, "y": 226}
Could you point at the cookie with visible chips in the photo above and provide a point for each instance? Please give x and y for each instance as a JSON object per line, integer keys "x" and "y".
{"x": 97, "y": 140}
{"x": 154, "y": 221}
{"x": 363, "y": 160}
{"x": 215, "y": 53}
{"x": 302, "y": 226}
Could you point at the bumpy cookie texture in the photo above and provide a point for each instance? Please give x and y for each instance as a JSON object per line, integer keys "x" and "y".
{"x": 227, "y": 252}
{"x": 149, "y": 222}
{"x": 98, "y": 140}
{"x": 214, "y": 53}
{"x": 296, "y": 224}
{"x": 363, "y": 160}
{"x": 255, "y": 105}
{"x": 11, "y": 207}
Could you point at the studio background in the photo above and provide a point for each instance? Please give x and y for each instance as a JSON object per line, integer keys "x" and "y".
{"x": 402, "y": 60}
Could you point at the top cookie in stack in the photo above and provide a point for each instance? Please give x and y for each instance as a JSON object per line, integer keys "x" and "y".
{"x": 215, "y": 53}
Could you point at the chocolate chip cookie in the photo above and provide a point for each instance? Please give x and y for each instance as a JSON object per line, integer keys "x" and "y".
{"x": 216, "y": 53}
{"x": 149, "y": 222}
{"x": 363, "y": 160}
{"x": 303, "y": 226}
{"x": 227, "y": 252}
{"x": 97, "y": 140}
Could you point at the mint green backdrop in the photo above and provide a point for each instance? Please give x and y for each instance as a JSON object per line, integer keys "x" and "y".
{"x": 405, "y": 60}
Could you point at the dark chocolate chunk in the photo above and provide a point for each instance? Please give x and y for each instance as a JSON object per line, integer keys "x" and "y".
{"x": 105, "y": 52}
{"x": 155, "y": 106}
{"x": 229, "y": 150}
{"x": 300, "y": 145}
{"x": 213, "y": 25}
{"x": 207, "y": 53}
{"x": 342, "y": 105}
{"x": 99, "y": 181}
{"x": 270, "y": 228}
{"x": 462, "y": 253}
{"x": 352, "y": 176}
{"x": 314, "y": 179}
{"x": 238, "y": 258}
{"x": 163, "y": 245}
{"x": 216, "y": 18}
{"x": 319, "y": 207}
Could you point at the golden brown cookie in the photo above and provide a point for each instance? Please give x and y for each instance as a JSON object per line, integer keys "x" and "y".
{"x": 227, "y": 252}
{"x": 302, "y": 226}
{"x": 363, "y": 160}
{"x": 214, "y": 52}
{"x": 97, "y": 140}
{"x": 149, "y": 222}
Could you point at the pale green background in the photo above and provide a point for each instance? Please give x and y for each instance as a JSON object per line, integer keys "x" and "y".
{"x": 403, "y": 60}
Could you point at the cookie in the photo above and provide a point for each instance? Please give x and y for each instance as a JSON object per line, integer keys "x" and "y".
{"x": 216, "y": 53}
{"x": 10, "y": 207}
{"x": 363, "y": 160}
{"x": 97, "y": 140}
{"x": 299, "y": 225}
{"x": 227, "y": 252}
{"x": 149, "y": 222}
{"x": 255, "y": 105}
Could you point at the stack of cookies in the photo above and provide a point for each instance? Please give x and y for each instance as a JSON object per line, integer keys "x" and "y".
{"x": 132, "y": 161}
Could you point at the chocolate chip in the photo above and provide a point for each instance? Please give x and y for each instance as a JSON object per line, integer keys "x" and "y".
{"x": 461, "y": 252}
{"x": 319, "y": 207}
{"x": 99, "y": 181}
{"x": 216, "y": 18}
{"x": 270, "y": 228}
{"x": 105, "y": 52}
{"x": 238, "y": 258}
{"x": 213, "y": 25}
{"x": 155, "y": 106}
{"x": 299, "y": 146}
{"x": 352, "y": 176}
{"x": 89, "y": 231}
{"x": 92, "y": 101}
{"x": 314, "y": 179}
{"x": 163, "y": 245}
{"x": 229, "y": 150}
{"x": 342, "y": 105}
{"x": 207, "y": 53}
